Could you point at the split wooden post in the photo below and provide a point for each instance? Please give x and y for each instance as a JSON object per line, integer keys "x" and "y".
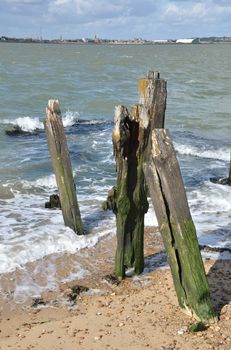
{"x": 128, "y": 199}
{"x": 165, "y": 184}
{"x": 62, "y": 167}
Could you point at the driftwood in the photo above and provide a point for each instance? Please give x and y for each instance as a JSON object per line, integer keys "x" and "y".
{"x": 166, "y": 188}
{"x": 62, "y": 167}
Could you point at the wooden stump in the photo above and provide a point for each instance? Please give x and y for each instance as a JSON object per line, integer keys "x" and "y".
{"x": 166, "y": 188}
{"x": 62, "y": 167}
{"x": 128, "y": 200}
{"x": 54, "y": 202}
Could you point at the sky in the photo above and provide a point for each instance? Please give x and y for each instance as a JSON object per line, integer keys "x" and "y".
{"x": 111, "y": 19}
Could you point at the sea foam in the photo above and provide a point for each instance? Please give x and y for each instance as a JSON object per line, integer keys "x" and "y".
{"x": 32, "y": 124}
{"x": 197, "y": 151}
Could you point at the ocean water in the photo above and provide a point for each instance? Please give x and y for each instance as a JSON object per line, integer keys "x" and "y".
{"x": 89, "y": 81}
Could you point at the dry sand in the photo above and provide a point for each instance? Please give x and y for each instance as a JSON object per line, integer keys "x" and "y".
{"x": 139, "y": 313}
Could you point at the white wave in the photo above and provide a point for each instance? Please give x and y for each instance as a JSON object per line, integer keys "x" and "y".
{"x": 29, "y": 232}
{"x": 191, "y": 81}
{"x": 126, "y": 56}
{"x": 46, "y": 181}
{"x": 210, "y": 208}
{"x": 26, "y": 124}
{"x": 220, "y": 153}
{"x": 30, "y": 124}
{"x": 91, "y": 122}
{"x": 70, "y": 118}
{"x": 211, "y": 198}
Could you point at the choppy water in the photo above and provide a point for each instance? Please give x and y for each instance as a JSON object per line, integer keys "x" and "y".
{"x": 89, "y": 81}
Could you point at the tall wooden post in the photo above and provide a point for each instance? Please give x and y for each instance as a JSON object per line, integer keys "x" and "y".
{"x": 166, "y": 188}
{"x": 152, "y": 97}
{"x": 62, "y": 167}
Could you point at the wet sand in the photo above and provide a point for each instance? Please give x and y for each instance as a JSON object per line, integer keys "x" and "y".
{"x": 139, "y": 313}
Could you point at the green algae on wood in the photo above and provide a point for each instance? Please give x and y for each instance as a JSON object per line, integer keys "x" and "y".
{"x": 229, "y": 177}
{"x": 61, "y": 162}
{"x": 128, "y": 200}
{"x": 169, "y": 199}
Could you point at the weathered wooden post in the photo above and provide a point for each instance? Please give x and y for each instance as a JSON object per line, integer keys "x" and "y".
{"x": 62, "y": 167}
{"x": 229, "y": 178}
{"x": 152, "y": 98}
{"x": 128, "y": 199}
{"x": 165, "y": 184}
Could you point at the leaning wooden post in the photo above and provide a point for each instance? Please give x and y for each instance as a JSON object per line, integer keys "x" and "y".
{"x": 166, "y": 188}
{"x": 62, "y": 167}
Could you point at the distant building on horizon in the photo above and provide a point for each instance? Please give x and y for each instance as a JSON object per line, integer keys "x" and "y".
{"x": 187, "y": 41}
{"x": 160, "y": 41}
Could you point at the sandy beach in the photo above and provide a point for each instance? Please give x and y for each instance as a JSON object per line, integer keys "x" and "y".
{"x": 139, "y": 313}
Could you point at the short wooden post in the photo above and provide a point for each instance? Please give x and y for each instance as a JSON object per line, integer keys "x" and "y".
{"x": 62, "y": 167}
{"x": 163, "y": 177}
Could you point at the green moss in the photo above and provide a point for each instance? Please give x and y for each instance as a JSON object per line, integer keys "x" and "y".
{"x": 123, "y": 202}
{"x": 197, "y": 327}
{"x": 229, "y": 178}
{"x": 187, "y": 268}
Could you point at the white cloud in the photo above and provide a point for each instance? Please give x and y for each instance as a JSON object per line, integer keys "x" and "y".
{"x": 85, "y": 7}
{"x": 112, "y": 18}
{"x": 195, "y": 11}
{"x": 22, "y": 2}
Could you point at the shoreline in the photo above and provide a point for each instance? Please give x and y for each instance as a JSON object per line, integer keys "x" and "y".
{"x": 136, "y": 314}
{"x": 141, "y": 312}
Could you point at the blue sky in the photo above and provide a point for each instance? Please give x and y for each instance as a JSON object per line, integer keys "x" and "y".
{"x": 149, "y": 19}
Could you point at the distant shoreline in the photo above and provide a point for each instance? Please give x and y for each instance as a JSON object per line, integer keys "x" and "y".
{"x": 136, "y": 41}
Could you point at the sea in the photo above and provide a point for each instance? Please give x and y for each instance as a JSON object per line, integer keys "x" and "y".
{"x": 89, "y": 81}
